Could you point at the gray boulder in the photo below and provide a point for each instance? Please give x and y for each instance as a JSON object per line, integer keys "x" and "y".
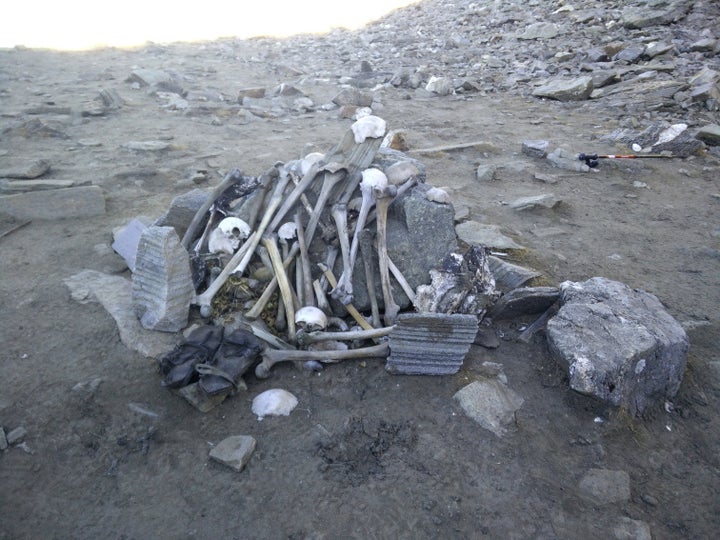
{"x": 413, "y": 222}
{"x": 566, "y": 90}
{"x": 618, "y": 344}
{"x": 182, "y": 210}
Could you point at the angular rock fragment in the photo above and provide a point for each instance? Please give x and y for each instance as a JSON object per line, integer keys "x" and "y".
{"x": 524, "y": 301}
{"x": 566, "y": 90}
{"x": 618, "y": 344}
{"x": 26, "y": 171}
{"x": 709, "y": 134}
{"x": 182, "y": 210}
{"x": 540, "y": 30}
{"x": 491, "y": 404}
{"x": 644, "y": 16}
{"x": 509, "y": 276}
{"x": 536, "y": 149}
{"x": 430, "y": 343}
{"x": 472, "y": 232}
{"x": 235, "y": 451}
{"x": 546, "y": 200}
{"x": 162, "y": 288}
{"x": 127, "y": 240}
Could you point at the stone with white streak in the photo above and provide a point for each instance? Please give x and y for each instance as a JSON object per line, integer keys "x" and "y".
{"x": 618, "y": 344}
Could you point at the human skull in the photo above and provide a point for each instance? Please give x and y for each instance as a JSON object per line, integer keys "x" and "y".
{"x": 368, "y": 126}
{"x": 311, "y": 319}
{"x": 226, "y": 237}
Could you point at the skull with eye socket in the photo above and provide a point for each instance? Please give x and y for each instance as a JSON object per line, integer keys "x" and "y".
{"x": 226, "y": 237}
{"x": 310, "y": 319}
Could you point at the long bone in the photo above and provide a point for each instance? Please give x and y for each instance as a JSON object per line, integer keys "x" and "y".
{"x": 372, "y": 179}
{"x": 348, "y": 154}
{"x": 407, "y": 289}
{"x": 339, "y": 213}
{"x": 306, "y": 338}
{"x": 366, "y": 251}
{"x": 270, "y": 243}
{"x": 262, "y": 302}
{"x": 330, "y": 181}
{"x": 304, "y": 264}
{"x": 273, "y": 356}
{"x": 242, "y": 185}
{"x": 384, "y": 198}
{"x": 286, "y": 233}
{"x": 352, "y": 310}
{"x": 239, "y": 262}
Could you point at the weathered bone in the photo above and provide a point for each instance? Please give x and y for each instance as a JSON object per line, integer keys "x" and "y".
{"x": 241, "y": 259}
{"x": 262, "y": 302}
{"x": 286, "y": 233}
{"x": 273, "y": 356}
{"x": 371, "y": 179}
{"x": 291, "y": 199}
{"x": 307, "y": 288}
{"x": 352, "y": 310}
{"x": 401, "y": 280}
{"x": 339, "y": 213}
{"x": 384, "y": 198}
{"x": 366, "y": 251}
{"x": 305, "y": 338}
{"x": 270, "y": 243}
{"x": 330, "y": 180}
{"x": 321, "y": 299}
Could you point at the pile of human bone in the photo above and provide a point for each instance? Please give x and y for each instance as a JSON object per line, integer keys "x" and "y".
{"x": 337, "y": 255}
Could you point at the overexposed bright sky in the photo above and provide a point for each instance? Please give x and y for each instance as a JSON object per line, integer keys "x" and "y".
{"x": 84, "y": 24}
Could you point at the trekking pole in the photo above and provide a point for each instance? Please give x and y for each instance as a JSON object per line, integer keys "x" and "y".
{"x": 592, "y": 160}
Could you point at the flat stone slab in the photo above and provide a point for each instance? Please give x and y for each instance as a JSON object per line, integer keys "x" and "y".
{"x": 234, "y": 451}
{"x": 55, "y": 203}
{"x": 114, "y": 294}
{"x": 430, "y": 343}
{"x": 618, "y": 344}
{"x": 489, "y": 236}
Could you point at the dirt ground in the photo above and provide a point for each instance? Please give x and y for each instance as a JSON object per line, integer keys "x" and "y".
{"x": 366, "y": 454}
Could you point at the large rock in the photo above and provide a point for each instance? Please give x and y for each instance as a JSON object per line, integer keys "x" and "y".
{"x": 566, "y": 90}
{"x": 413, "y": 222}
{"x": 162, "y": 287}
{"x": 644, "y": 16}
{"x": 618, "y": 344}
